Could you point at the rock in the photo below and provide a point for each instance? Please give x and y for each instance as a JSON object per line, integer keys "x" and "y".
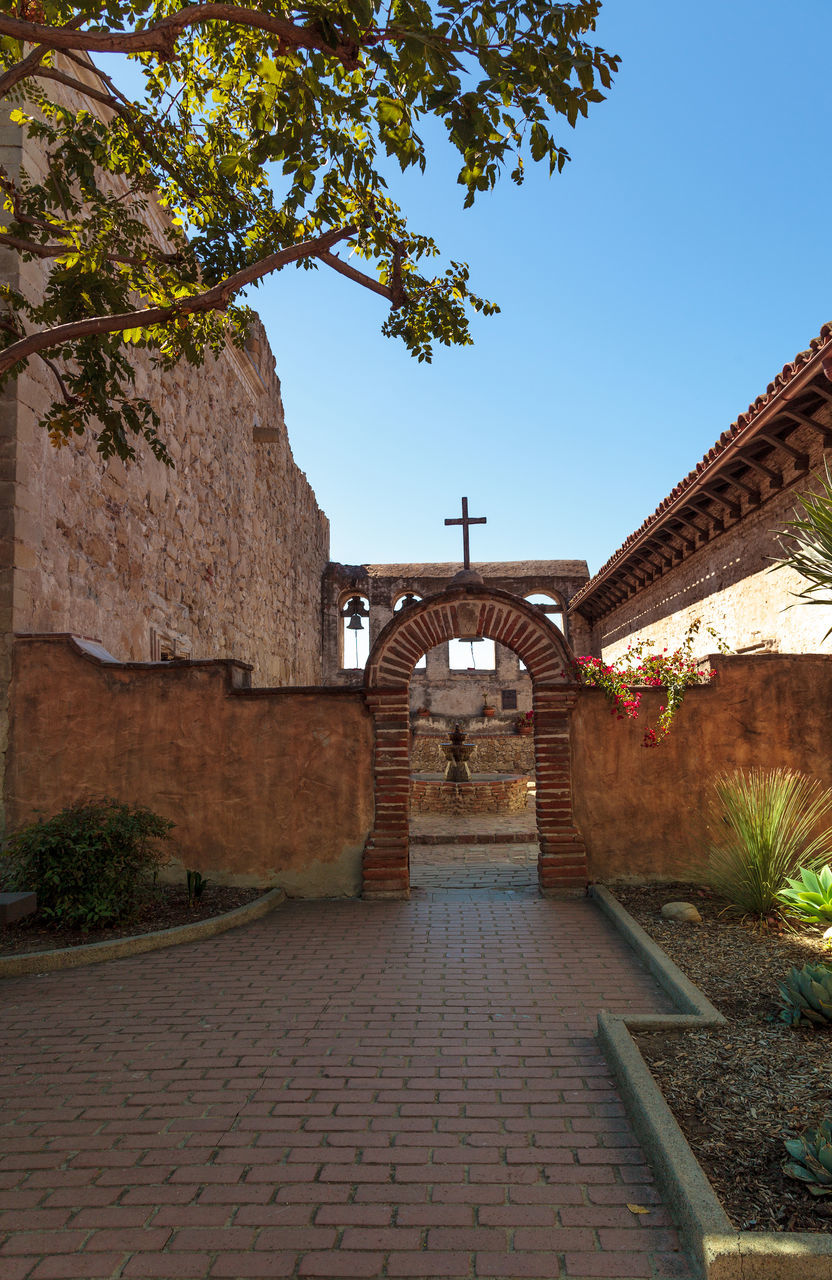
{"x": 682, "y": 912}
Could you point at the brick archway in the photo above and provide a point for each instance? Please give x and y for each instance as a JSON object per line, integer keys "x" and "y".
{"x": 464, "y": 611}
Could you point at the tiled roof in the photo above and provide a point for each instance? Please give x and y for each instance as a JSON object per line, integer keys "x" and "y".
{"x": 743, "y": 427}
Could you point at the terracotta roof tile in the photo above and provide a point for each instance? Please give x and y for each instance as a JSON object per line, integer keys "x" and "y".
{"x": 743, "y": 424}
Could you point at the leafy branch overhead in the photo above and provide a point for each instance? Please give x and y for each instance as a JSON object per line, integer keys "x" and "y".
{"x": 264, "y": 133}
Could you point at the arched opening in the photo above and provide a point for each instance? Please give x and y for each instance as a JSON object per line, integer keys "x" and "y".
{"x": 354, "y": 632}
{"x": 465, "y": 611}
{"x": 406, "y": 601}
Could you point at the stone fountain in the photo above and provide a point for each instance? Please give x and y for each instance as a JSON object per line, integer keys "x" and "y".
{"x": 457, "y": 751}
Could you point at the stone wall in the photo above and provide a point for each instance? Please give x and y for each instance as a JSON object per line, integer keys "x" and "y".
{"x": 220, "y": 556}
{"x": 268, "y": 787}
{"x": 482, "y": 795}
{"x": 495, "y": 753}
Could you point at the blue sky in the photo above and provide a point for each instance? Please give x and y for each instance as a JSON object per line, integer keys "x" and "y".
{"x": 648, "y": 294}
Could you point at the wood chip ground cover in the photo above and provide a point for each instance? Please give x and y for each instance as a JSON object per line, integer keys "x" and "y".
{"x": 736, "y": 1093}
{"x": 166, "y": 907}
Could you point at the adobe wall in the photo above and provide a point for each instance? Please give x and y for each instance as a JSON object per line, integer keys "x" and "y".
{"x": 268, "y": 787}
{"x": 220, "y": 556}
{"x": 642, "y": 811}
{"x": 728, "y": 584}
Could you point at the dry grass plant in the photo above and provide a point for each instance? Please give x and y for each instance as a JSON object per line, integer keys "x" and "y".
{"x": 766, "y": 824}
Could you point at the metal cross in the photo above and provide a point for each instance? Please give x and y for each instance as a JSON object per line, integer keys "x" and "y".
{"x": 465, "y": 522}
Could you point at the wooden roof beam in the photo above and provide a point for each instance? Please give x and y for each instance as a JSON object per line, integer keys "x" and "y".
{"x": 800, "y": 460}
{"x": 728, "y": 503}
{"x": 753, "y": 494}
{"x": 775, "y": 477}
{"x": 701, "y": 508}
{"x": 807, "y": 421}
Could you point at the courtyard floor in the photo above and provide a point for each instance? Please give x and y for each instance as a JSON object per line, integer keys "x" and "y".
{"x": 387, "y": 1089}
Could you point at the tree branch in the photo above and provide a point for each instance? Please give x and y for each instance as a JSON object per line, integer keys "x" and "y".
{"x": 214, "y": 299}
{"x": 160, "y": 37}
{"x": 32, "y": 61}
{"x": 60, "y": 250}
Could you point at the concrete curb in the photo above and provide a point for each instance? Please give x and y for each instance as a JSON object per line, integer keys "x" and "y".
{"x": 77, "y": 957}
{"x": 718, "y": 1249}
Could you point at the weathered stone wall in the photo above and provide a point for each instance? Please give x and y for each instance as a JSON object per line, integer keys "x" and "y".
{"x": 643, "y": 811}
{"x": 730, "y": 585}
{"x": 481, "y": 795}
{"x": 266, "y": 787}
{"x": 221, "y": 556}
{"x": 495, "y": 753}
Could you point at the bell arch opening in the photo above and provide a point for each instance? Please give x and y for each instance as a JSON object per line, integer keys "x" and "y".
{"x": 468, "y": 610}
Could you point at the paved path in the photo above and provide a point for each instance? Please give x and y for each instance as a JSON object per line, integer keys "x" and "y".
{"x": 341, "y": 1089}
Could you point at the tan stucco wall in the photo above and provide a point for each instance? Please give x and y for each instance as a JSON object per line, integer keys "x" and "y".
{"x": 223, "y": 554}
{"x": 642, "y": 810}
{"x": 272, "y": 787}
{"x": 728, "y": 584}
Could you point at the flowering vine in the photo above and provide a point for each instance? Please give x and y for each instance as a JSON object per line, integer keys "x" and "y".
{"x": 675, "y": 672}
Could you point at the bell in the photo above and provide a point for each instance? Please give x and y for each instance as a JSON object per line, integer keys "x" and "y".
{"x": 408, "y": 600}
{"x": 355, "y": 623}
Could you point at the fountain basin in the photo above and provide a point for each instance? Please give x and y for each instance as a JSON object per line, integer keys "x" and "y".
{"x": 486, "y": 793}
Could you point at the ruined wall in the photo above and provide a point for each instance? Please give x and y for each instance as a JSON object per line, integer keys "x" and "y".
{"x": 643, "y": 811}
{"x": 506, "y": 752}
{"x": 220, "y": 556}
{"x": 729, "y": 585}
{"x": 266, "y": 787}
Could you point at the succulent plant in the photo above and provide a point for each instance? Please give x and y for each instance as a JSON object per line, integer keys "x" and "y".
{"x": 807, "y": 995}
{"x": 810, "y": 897}
{"x": 811, "y": 1160}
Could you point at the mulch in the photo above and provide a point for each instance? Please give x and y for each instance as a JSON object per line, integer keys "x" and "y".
{"x": 738, "y": 1092}
{"x": 165, "y": 907}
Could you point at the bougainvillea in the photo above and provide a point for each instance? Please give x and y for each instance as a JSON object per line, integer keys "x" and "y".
{"x": 673, "y": 671}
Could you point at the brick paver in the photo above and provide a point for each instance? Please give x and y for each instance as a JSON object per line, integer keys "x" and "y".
{"x": 340, "y": 1089}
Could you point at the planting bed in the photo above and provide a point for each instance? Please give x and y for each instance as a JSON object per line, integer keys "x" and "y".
{"x": 737, "y": 1092}
{"x": 166, "y": 907}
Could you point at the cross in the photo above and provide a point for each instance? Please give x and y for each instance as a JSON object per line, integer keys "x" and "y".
{"x": 465, "y": 522}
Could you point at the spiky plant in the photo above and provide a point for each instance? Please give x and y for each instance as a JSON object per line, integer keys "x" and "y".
{"x": 807, "y": 995}
{"x": 807, "y": 542}
{"x": 810, "y": 896}
{"x": 811, "y": 1161}
{"x": 766, "y": 823}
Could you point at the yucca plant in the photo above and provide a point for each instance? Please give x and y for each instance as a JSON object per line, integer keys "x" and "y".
{"x": 808, "y": 544}
{"x": 766, "y": 824}
{"x": 807, "y": 996}
{"x": 811, "y": 1161}
{"x": 809, "y": 897}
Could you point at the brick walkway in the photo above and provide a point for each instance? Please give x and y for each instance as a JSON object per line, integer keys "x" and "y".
{"x": 341, "y": 1089}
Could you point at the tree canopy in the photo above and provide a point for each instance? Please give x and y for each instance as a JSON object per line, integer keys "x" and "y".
{"x": 265, "y": 133}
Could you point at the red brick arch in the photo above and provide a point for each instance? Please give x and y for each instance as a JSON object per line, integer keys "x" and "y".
{"x": 511, "y": 621}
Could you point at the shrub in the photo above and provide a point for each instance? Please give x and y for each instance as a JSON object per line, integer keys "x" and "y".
{"x": 810, "y": 896}
{"x": 89, "y": 863}
{"x": 767, "y": 820}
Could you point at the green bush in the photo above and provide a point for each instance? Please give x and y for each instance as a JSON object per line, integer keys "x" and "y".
{"x": 806, "y": 996}
{"x": 811, "y": 1159}
{"x": 89, "y": 864}
{"x": 766, "y": 824}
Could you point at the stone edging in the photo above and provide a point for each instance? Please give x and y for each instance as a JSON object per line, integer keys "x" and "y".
{"x": 719, "y": 1250}
{"x": 76, "y": 957}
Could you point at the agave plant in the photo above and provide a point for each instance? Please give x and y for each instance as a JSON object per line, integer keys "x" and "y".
{"x": 811, "y": 1160}
{"x": 810, "y": 897}
{"x": 766, "y": 825}
{"x": 807, "y": 995}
